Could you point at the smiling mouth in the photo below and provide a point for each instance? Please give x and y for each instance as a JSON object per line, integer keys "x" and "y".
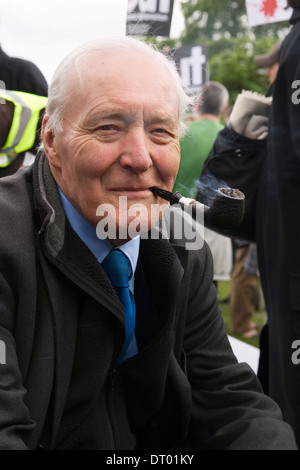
{"x": 136, "y": 191}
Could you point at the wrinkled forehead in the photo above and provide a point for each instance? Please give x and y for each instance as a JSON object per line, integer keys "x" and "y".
{"x": 117, "y": 78}
{"x": 101, "y": 65}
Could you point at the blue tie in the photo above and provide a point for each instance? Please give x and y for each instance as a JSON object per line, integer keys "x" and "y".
{"x": 116, "y": 266}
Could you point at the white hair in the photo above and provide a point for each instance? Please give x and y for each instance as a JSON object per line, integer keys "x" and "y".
{"x": 59, "y": 89}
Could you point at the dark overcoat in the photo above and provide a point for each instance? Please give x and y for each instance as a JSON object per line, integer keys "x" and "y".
{"x": 62, "y": 330}
{"x": 278, "y": 232}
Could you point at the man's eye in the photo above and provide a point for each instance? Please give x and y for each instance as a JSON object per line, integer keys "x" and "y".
{"x": 106, "y": 127}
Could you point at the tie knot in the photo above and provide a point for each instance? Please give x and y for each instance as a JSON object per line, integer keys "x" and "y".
{"x": 116, "y": 266}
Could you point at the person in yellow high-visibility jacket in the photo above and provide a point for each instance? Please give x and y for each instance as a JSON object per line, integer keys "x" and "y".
{"x": 20, "y": 117}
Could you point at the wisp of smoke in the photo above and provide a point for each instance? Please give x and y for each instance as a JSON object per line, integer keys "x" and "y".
{"x": 207, "y": 187}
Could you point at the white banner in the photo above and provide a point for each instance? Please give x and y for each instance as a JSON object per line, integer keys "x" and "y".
{"x": 149, "y": 17}
{"x": 267, "y": 11}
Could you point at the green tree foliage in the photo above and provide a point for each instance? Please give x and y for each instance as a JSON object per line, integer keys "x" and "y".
{"x": 231, "y": 44}
{"x": 207, "y": 19}
{"x": 231, "y": 62}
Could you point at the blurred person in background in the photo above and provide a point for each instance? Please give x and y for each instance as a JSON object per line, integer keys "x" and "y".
{"x": 278, "y": 231}
{"x": 20, "y": 114}
{"x": 195, "y": 146}
{"x": 272, "y": 160}
{"x": 245, "y": 290}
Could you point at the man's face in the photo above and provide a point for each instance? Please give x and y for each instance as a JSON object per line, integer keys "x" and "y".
{"x": 120, "y": 135}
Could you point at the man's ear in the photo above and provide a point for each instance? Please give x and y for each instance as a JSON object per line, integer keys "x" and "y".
{"x": 48, "y": 138}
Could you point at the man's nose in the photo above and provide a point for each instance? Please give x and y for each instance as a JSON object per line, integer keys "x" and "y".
{"x": 136, "y": 153}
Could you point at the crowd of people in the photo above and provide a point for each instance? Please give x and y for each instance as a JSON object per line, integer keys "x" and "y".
{"x": 115, "y": 341}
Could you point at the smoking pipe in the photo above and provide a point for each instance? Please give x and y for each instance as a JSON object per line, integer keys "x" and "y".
{"x": 225, "y": 213}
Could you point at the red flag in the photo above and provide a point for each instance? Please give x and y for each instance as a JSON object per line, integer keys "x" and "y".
{"x": 267, "y": 11}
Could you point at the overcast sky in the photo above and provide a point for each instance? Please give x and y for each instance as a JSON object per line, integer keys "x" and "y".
{"x": 44, "y": 31}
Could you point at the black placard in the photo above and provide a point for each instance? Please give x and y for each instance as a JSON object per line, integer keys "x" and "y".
{"x": 149, "y": 17}
{"x": 192, "y": 66}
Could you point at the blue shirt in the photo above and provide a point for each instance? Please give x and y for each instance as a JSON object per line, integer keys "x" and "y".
{"x": 101, "y": 248}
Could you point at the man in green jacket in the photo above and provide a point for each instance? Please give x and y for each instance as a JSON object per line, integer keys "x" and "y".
{"x": 195, "y": 147}
{"x": 111, "y": 132}
{"x": 200, "y": 136}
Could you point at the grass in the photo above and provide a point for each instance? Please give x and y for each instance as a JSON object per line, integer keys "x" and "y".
{"x": 258, "y": 316}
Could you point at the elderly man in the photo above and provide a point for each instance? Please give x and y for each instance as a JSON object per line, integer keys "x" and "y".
{"x": 194, "y": 148}
{"x": 82, "y": 366}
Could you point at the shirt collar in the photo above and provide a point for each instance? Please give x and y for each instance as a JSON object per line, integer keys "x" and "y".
{"x": 100, "y": 248}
